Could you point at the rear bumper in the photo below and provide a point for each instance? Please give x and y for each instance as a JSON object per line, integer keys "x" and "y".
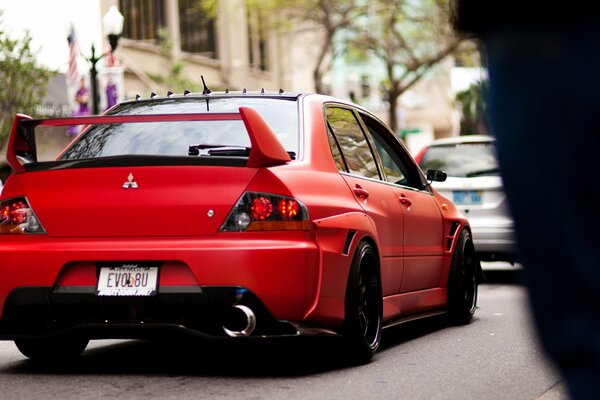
{"x": 42, "y": 312}
{"x": 495, "y": 243}
{"x": 49, "y": 286}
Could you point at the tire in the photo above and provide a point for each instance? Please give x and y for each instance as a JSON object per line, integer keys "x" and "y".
{"x": 463, "y": 281}
{"x": 55, "y": 349}
{"x": 364, "y": 305}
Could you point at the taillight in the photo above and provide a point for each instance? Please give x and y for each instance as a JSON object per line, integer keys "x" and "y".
{"x": 288, "y": 209}
{"x": 266, "y": 212}
{"x": 17, "y": 217}
{"x": 261, "y": 208}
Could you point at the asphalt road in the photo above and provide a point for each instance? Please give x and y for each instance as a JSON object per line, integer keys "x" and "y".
{"x": 495, "y": 357}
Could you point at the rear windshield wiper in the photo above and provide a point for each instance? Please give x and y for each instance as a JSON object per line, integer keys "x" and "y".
{"x": 230, "y": 151}
{"x": 225, "y": 150}
{"x": 218, "y": 149}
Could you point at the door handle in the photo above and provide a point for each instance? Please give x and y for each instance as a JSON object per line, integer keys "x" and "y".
{"x": 405, "y": 201}
{"x": 361, "y": 193}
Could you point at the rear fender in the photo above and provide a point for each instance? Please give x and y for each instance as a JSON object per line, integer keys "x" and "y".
{"x": 333, "y": 232}
{"x": 337, "y": 237}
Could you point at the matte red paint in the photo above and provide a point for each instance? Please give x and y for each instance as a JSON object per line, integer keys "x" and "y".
{"x": 172, "y": 273}
{"x": 299, "y": 275}
{"x": 266, "y": 148}
{"x": 170, "y": 201}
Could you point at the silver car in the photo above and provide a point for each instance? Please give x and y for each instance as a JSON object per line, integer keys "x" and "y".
{"x": 475, "y": 186}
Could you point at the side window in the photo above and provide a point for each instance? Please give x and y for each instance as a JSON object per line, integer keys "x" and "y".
{"x": 353, "y": 142}
{"x": 395, "y": 169}
{"x": 335, "y": 152}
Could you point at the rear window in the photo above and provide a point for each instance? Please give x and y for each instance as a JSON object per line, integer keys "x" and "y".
{"x": 175, "y": 138}
{"x": 462, "y": 160}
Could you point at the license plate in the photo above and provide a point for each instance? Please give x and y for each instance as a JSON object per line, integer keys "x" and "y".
{"x": 127, "y": 280}
{"x": 467, "y": 197}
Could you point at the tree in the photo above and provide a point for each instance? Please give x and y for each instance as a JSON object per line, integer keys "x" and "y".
{"x": 410, "y": 37}
{"x": 332, "y": 17}
{"x": 23, "y": 83}
{"x": 175, "y": 80}
{"x": 473, "y": 109}
{"x": 328, "y": 16}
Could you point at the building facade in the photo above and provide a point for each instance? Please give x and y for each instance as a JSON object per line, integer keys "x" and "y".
{"x": 167, "y": 44}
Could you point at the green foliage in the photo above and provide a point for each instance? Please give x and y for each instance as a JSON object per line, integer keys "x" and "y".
{"x": 408, "y": 37}
{"x": 468, "y": 54}
{"x": 175, "y": 81}
{"x": 474, "y": 109}
{"x": 210, "y": 7}
{"x": 22, "y": 82}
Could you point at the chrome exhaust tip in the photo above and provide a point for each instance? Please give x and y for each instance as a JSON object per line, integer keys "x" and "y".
{"x": 241, "y": 321}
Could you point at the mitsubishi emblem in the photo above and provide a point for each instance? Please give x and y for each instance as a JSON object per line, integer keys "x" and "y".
{"x": 130, "y": 183}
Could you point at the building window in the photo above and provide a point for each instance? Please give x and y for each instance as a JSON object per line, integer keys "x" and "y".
{"x": 197, "y": 29}
{"x": 257, "y": 38}
{"x": 143, "y": 19}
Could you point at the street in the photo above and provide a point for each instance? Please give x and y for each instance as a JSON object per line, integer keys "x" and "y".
{"x": 495, "y": 357}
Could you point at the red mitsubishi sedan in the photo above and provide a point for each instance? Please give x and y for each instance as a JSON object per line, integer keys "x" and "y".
{"x": 224, "y": 215}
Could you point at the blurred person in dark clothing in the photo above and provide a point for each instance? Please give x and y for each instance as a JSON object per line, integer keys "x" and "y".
{"x": 544, "y": 69}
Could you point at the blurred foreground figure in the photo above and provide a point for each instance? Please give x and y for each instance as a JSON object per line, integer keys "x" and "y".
{"x": 544, "y": 68}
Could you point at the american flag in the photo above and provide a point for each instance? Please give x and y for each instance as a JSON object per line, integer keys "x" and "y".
{"x": 73, "y": 72}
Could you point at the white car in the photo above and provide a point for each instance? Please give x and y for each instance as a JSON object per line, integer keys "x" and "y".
{"x": 475, "y": 186}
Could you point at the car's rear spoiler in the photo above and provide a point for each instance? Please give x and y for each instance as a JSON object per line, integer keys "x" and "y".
{"x": 266, "y": 149}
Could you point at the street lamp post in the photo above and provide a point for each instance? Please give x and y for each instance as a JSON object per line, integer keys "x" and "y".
{"x": 94, "y": 80}
{"x": 113, "y": 27}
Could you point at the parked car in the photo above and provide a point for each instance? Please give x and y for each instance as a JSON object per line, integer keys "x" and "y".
{"x": 225, "y": 215}
{"x": 475, "y": 186}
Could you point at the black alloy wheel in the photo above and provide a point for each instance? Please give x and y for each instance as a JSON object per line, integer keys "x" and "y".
{"x": 364, "y": 305}
{"x": 463, "y": 281}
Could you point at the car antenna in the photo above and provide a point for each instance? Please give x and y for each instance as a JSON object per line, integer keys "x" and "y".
{"x": 206, "y": 91}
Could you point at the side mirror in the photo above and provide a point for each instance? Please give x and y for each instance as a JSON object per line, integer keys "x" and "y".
{"x": 435, "y": 175}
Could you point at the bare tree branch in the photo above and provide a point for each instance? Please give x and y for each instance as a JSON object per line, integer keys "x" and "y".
{"x": 409, "y": 38}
